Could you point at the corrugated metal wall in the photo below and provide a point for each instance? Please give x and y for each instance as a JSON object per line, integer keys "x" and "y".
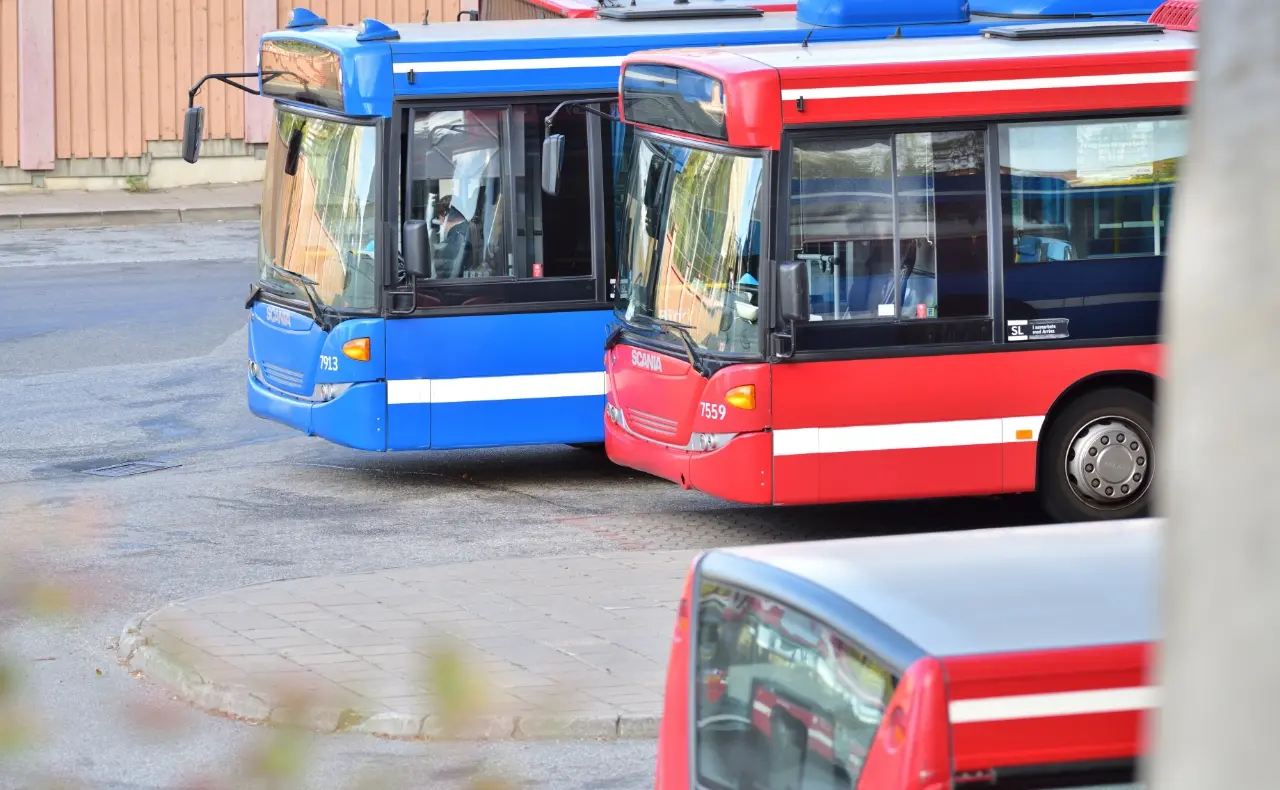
{"x": 122, "y": 68}
{"x": 9, "y": 83}
{"x": 350, "y": 12}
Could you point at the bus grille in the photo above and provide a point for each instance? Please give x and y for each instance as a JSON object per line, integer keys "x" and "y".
{"x": 651, "y": 423}
{"x": 282, "y": 376}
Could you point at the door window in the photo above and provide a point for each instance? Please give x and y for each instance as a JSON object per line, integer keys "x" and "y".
{"x": 782, "y": 701}
{"x": 496, "y": 237}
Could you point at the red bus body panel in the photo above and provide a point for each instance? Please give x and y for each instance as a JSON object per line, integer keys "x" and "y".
{"x": 936, "y": 426}
{"x": 1032, "y": 739}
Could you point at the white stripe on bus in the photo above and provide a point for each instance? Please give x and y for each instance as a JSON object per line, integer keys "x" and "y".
{"x": 451, "y": 66}
{"x": 1067, "y": 703}
{"x": 906, "y": 436}
{"x": 987, "y": 86}
{"x": 1094, "y": 301}
{"x": 495, "y": 388}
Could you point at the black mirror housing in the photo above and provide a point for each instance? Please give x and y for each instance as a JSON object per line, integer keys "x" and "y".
{"x": 192, "y": 134}
{"x": 552, "y": 162}
{"x": 793, "y": 291}
{"x": 415, "y": 246}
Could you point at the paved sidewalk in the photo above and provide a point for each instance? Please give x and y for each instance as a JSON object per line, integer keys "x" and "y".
{"x": 558, "y": 647}
{"x": 68, "y": 209}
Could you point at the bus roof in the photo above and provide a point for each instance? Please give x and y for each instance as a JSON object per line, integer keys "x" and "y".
{"x": 369, "y": 68}
{"x": 991, "y": 591}
{"x": 769, "y": 86}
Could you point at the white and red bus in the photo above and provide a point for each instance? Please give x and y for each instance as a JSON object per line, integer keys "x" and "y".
{"x": 901, "y": 269}
{"x": 1009, "y": 658}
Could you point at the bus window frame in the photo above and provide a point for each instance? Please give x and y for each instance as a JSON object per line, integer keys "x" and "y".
{"x": 990, "y": 125}
{"x": 878, "y": 641}
{"x": 383, "y": 132}
{"x": 403, "y": 115}
{"x": 667, "y": 345}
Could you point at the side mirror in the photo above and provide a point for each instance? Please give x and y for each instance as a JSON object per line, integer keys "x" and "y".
{"x": 552, "y": 161}
{"x": 192, "y": 133}
{"x": 415, "y": 246}
{"x": 793, "y": 291}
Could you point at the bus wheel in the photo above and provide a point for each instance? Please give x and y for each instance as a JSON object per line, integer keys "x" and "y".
{"x": 594, "y": 447}
{"x": 1095, "y": 462}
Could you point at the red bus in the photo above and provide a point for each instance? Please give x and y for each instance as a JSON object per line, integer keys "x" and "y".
{"x": 1011, "y": 658}
{"x": 901, "y": 269}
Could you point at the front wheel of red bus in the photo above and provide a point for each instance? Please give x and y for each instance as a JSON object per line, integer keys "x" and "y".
{"x": 1096, "y": 459}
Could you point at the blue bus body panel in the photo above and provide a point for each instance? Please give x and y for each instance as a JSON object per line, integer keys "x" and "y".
{"x": 496, "y": 380}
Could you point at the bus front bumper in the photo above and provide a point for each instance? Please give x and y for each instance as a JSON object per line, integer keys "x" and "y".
{"x": 357, "y": 418}
{"x": 740, "y": 471}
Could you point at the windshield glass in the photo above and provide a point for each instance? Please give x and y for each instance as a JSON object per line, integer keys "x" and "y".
{"x": 319, "y": 222}
{"x": 691, "y": 250}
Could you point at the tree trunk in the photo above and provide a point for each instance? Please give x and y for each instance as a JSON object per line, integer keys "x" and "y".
{"x": 1219, "y": 665}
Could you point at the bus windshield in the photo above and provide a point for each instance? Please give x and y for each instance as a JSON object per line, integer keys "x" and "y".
{"x": 691, "y": 247}
{"x": 318, "y": 209}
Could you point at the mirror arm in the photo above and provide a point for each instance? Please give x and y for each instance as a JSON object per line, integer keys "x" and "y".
{"x": 228, "y": 79}
{"x": 582, "y": 104}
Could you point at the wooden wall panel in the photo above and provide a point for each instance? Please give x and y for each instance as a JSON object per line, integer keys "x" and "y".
{"x": 123, "y": 69}
{"x": 9, "y": 83}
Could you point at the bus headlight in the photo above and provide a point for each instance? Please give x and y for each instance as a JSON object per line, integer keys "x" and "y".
{"x": 706, "y": 442}
{"x": 327, "y": 392}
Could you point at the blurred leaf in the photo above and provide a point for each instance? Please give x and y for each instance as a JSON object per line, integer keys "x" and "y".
{"x": 458, "y": 689}
{"x": 282, "y": 757}
{"x": 8, "y": 681}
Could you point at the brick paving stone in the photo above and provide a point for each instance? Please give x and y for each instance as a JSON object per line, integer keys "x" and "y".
{"x": 580, "y": 636}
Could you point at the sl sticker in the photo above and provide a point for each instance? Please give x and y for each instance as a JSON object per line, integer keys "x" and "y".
{"x": 1038, "y": 329}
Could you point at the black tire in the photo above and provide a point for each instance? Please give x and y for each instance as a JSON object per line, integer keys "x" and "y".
{"x": 1058, "y": 494}
{"x": 592, "y": 447}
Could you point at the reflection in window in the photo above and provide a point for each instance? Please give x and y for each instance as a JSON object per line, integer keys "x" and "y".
{"x": 1086, "y": 221}
{"x": 892, "y": 227}
{"x": 320, "y": 221}
{"x": 782, "y": 701}
{"x": 457, "y": 188}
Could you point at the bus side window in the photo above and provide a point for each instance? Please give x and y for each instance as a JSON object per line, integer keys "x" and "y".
{"x": 1086, "y": 208}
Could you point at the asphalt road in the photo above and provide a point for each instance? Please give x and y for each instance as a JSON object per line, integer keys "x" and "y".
{"x": 128, "y": 344}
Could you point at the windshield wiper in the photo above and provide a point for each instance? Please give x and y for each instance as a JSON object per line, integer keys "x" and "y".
{"x": 686, "y": 339}
{"x": 325, "y": 316}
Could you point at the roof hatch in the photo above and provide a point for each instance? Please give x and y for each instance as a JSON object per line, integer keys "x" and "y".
{"x": 1071, "y": 30}
{"x": 866, "y": 13}
{"x": 676, "y": 9}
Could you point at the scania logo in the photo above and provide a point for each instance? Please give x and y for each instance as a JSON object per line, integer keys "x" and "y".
{"x": 643, "y": 359}
{"x": 278, "y": 315}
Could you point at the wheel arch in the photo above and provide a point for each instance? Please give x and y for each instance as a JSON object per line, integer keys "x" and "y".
{"x": 1143, "y": 382}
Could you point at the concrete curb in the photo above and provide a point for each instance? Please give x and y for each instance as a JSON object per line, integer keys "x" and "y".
{"x": 140, "y": 656}
{"x": 123, "y": 217}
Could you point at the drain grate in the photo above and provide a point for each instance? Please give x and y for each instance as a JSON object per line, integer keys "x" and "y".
{"x": 129, "y": 468}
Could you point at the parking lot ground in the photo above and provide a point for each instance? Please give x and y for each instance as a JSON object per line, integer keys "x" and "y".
{"x": 555, "y": 646}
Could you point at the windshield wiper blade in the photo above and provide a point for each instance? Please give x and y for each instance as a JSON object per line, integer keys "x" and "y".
{"x": 686, "y": 339}
{"x": 324, "y": 316}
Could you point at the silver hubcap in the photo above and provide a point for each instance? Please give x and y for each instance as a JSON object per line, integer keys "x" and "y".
{"x": 1108, "y": 463}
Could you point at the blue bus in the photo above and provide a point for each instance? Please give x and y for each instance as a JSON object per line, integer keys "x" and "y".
{"x": 417, "y": 288}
